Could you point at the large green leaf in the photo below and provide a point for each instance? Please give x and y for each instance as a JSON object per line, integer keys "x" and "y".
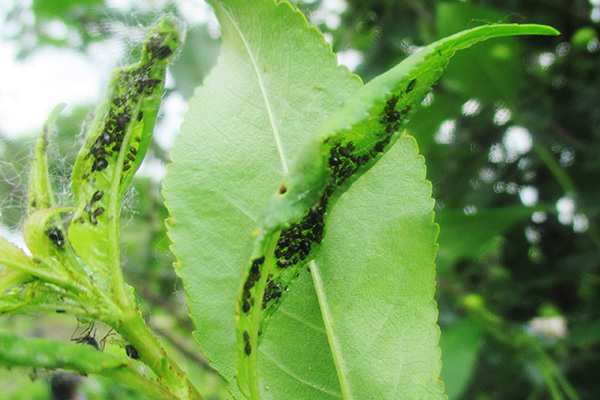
{"x": 275, "y": 83}
{"x": 276, "y": 78}
{"x": 350, "y": 141}
{"x": 374, "y": 276}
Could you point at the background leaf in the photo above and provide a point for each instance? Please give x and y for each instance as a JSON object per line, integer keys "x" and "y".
{"x": 493, "y": 68}
{"x": 482, "y": 228}
{"x": 460, "y": 344}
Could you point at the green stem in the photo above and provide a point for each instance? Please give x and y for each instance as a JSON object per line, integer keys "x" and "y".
{"x": 131, "y": 325}
{"x": 133, "y": 328}
{"x": 559, "y": 173}
{"x": 567, "y": 184}
{"x": 139, "y": 383}
{"x": 522, "y": 342}
{"x": 17, "y": 351}
{"x": 47, "y": 276}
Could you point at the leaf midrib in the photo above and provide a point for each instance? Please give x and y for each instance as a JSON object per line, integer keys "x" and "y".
{"x": 336, "y": 351}
{"x": 262, "y": 89}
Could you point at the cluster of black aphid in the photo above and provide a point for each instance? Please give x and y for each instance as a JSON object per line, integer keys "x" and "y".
{"x": 273, "y": 291}
{"x": 295, "y": 242}
{"x": 247, "y": 346}
{"x": 253, "y": 277}
{"x": 132, "y": 83}
{"x": 90, "y": 210}
{"x": 156, "y": 47}
{"x": 56, "y": 236}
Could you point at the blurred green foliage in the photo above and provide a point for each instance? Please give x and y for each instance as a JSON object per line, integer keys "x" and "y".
{"x": 499, "y": 268}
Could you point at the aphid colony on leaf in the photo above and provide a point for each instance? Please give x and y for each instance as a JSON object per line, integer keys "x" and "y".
{"x": 247, "y": 346}
{"x": 130, "y": 84}
{"x": 295, "y": 242}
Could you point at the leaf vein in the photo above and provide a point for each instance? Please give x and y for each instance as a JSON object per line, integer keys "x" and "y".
{"x": 261, "y": 84}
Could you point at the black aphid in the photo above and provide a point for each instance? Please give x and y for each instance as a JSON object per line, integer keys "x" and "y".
{"x": 131, "y": 157}
{"x": 56, "y": 236}
{"x": 98, "y": 211}
{"x": 246, "y": 306}
{"x": 248, "y": 349}
{"x": 133, "y": 151}
{"x": 97, "y": 195}
{"x": 126, "y": 167}
{"x": 140, "y": 116}
{"x": 333, "y": 161}
{"x": 132, "y": 352}
{"x": 283, "y": 263}
{"x": 411, "y": 86}
{"x": 344, "y": 152}
{"x": 305, "y": 246}
{"x": 99, "y": 164}
{"x": 122, "y": 120}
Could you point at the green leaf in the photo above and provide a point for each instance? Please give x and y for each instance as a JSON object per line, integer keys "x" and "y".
{"x": 274, "y": 81}
{"x": 43, "y": 234}
{"x": 16, "y": 351}
{"x": 115, "y": 144}
{"x": 14, "y": 258}
{"x": 39, "y": 297}
{"x": 274, "y": 84}
{"x": 374, "y": 277}
{"x": 40, "y": 194}
{"x": 350, "y": 141}
{"x": 460, "y": 344}
{"x": 482, "y": 228}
